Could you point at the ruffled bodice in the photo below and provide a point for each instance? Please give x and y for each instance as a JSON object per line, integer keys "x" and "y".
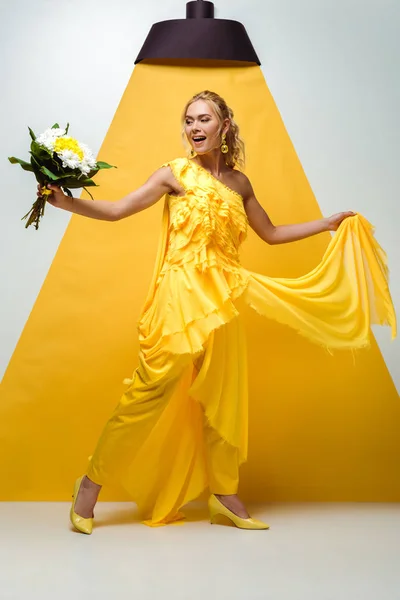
{"x": 207, "y": 223}
{"x": 198, "y": 274}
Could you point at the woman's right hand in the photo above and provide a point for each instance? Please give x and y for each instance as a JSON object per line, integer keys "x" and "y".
{"x": 57, "y": 197}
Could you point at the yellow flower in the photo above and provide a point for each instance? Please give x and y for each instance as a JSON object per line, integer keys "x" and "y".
{"x": 68, "y": 143}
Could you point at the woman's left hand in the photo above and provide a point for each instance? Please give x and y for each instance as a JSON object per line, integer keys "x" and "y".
{"x": 334, "y": 221}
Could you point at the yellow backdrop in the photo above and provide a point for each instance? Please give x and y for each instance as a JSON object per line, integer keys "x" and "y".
{"x": 322, "y": 427}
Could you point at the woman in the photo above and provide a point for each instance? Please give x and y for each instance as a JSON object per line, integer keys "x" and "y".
{"x": 181, "y": 425}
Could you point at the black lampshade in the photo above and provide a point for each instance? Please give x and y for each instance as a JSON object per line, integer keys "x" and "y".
{"x": 199, "y": 36}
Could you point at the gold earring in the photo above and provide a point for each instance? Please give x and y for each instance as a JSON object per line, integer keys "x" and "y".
{"x": 224, "y": 147}
{"x": 192, "y": 153}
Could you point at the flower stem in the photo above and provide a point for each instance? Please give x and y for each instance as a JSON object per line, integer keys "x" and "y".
{"x": 35, "y": 213}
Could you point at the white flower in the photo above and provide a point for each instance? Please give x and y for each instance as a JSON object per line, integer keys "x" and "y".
{"x": 88, "y": 156}
{"x": 49, "y": 136}
{"x": 69, "y": 159}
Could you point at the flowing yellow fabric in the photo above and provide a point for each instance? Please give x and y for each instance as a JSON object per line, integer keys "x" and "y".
{"x": 182, "y": 423}
{"x": 198, "y": 270}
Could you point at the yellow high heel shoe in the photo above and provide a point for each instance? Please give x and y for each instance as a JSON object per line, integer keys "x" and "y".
{"x": 216, "y": 509}
{"x": 80, "y": 523}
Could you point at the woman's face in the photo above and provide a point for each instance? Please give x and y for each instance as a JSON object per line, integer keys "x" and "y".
{"x": 202, "y": 127}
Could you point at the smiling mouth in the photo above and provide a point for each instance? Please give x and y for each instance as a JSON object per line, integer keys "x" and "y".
{"x": 198, "y": 139}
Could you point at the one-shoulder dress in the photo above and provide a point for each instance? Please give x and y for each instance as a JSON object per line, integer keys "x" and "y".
{"x": 181, "y": 424}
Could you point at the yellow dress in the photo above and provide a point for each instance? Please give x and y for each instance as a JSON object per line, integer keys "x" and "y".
{"x": 181, "y": 425}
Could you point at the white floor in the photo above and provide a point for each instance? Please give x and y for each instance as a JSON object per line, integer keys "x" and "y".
{"x": 311, "y": 552}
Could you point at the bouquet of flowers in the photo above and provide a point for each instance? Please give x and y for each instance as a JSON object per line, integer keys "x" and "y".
{"x": 61, "y": 160}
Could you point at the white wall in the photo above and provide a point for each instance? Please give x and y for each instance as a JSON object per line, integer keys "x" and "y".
{"x": 331, "y": 65}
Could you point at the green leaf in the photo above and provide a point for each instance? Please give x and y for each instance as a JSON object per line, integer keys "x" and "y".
{"x": 36, "y": 169}
{"x": 49, "y": 174}
{"x": 40, "y": 152}
{"x": 66, "y": 129}
{"x": 25, "y": 165}
{"x": 46, "y": 158}
{"x": 104, "y": 165}
{"x": 35, "y": 164}
{"x": 87, "y": 191}
{"x": 38, "y": 163}
{"x": 57, "y": 163}
{"x": 74, "y": 182}
{"x": 55, "y": 126}
{"x": 92, "y": 173}
{"x": 33, "y": 136}
{"x": 88, "y": 182}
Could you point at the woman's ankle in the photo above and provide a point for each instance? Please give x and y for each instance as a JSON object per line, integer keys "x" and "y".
{"x": 233, "y": 503}
{"x": 88, "y": 484}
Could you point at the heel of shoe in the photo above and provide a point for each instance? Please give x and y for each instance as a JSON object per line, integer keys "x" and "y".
{"x": 214, "y": 517}
{"x": 80, "y": 523}
{"x": 217, "y": 512}
{"x": 217, "y": 509}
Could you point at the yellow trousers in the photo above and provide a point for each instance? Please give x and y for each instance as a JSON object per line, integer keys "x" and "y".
{"x": 169, "y": 437}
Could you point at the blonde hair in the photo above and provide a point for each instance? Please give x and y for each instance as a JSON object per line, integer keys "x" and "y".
{"x": 236, "y": 153}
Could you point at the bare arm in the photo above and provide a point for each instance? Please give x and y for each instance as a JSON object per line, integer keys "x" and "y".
{"x": 281, "y": 234}
{"x": 158, "y": 184}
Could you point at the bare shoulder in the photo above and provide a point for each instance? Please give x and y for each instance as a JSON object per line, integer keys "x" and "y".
{"x": 168, "y": 175}
{"x": 164, "y": 177}
{"x": 243, "y": 184}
